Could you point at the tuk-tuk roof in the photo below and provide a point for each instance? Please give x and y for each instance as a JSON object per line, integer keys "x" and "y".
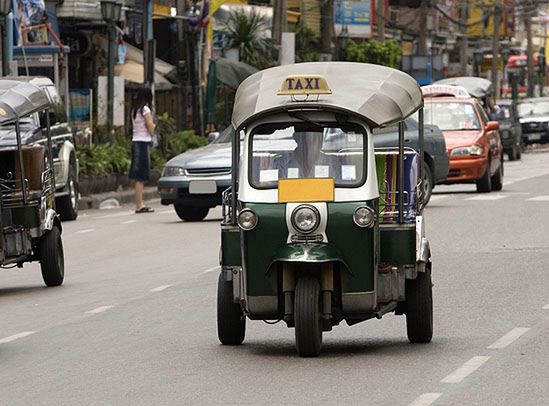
{"x": 18, "y": 99}
{"x": 379, "y": 94}
{"x": 477, "y": 87}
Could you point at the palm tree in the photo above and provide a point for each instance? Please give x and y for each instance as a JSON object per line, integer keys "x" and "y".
{"x": 245, "y": 33}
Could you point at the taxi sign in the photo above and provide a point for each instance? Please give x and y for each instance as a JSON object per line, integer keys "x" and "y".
{"x": 304, "y": 85}
{"x": 445, "y": 90}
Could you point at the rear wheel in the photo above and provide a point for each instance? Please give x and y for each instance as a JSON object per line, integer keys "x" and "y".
{"x": 513, "y": 153}
{"x": 484, "y": 184}
{"x": 52, "y": 262}
{"x": 308, "y": 326}
{"x": 231, "y": 321}
{"x": 497, "y": 179}
{"x": 419, "y": 308}
{"x": 189, "y": 213}
{"x": 67, "y": 206}
{"x": 427, "y": 184}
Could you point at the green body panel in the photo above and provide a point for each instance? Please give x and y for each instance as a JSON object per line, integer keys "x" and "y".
{"x": 398, "y": 246}
{"x": 26, "y": 216}
{"x": 357, "y": 245}
{"x": 307, "y": 253}
{"x": 261, "y": 244}
{"x": 230, "y": 246}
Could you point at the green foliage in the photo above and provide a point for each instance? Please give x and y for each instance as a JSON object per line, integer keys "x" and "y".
{"x": 306, "y": 44}
{"x": 244, "y": 32}
{"x": 182, "y": 141}
{"x": 103, "y": 159}
{"x": 388, "y": 53}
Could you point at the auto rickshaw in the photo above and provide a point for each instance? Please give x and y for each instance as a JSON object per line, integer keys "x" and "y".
{"x": 317, "y": 226}
{"x": 30, "y": 229}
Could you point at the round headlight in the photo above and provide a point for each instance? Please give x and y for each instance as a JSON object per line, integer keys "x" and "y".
{"x": 306, "y": 219}
{"x": 364, "y": 217}
{"x": 247, "y": 219}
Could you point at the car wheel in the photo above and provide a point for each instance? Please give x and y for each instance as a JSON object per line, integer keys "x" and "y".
{"x": 520, "y": 148}
{"x": 419, "y": 307}
{"x": 513, "y": 153}
{"x": 52, "y": 262}
{"x": 231, "y": 321}
{"x": 189, "y": 213}
{"x": 484, "y": 184}
{"x": 427, "y": 184}
{"x": 497, "y": 180}
{"x": 308, "y": 325}
{"x": 67, "y": 206}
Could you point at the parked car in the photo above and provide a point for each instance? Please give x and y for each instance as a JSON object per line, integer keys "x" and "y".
{"x": 510, "y": 130}
{"x": 534, "y": 118}
{"x": 472, "y": 140}
{"x": 64, "y": 154}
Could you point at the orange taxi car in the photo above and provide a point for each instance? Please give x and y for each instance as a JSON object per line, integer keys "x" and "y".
{"x": 472, "y": 141}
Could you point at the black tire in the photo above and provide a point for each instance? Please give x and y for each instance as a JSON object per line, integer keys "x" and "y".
{"x": 512, "y": 154}
{"x": 484, "y": 184}
{"x": 67, "y": 206}
{"x": 52, "y": 261}
{"x": 519, "y": 151}
{"x": 427, "y": 184}
{"x": 419, "y": 308}
{"x": 231, "y": 321}
{"x": 308, "y": 326}
{"x": 497, "y": 179}
{"x": 189, "y": 213}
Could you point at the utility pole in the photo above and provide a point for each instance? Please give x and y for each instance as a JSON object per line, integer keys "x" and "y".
{"x": 327, "y": 29}
{"x": 495, "y": 49}
{"x": 464, "y": 38}
{"x": 381, "y": 20}
{"x": 422, "y": 45}
{"x": 280, "y": 20}
{"x": 529, "y": 52}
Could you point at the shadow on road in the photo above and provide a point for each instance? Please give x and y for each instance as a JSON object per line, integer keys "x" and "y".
{"x": 20, "y": 290}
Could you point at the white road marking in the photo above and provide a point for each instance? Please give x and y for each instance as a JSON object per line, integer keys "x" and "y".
{"x": 465, "y": 370}
{"x": 16, "y": 337}
{"x": 508, "y": 338}
{"x": 487, "y": 197}
{"x": 160, "y": 288}
{"x": 85, "y": 231}
{"x": 434, "y": 198}
{"x": 546, "y": 307}
{"x": 215, "y": 268}
{"x": 129, "y": 221}
{"x": 539, "y": 199}
{"x": 425, "y": 399}
{"x": 99, "y": 309}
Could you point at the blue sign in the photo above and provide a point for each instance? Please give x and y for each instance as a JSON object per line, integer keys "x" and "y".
{"x": 353, "y": 17}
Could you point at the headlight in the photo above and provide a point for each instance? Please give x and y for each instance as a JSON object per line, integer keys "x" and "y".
{"x": 173, "y": 171}
{"x": 505, "y": 133}
{"x": 247, "y": 219}
{"x": 474, "y": 150}
{"x": 364, "y": 217}
{"x": 306, "y": 219}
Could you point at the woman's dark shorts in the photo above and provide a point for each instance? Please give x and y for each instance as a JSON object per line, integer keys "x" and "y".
{"x": 140, "y": 168}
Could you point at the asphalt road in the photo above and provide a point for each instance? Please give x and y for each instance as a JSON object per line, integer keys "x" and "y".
{"x": 134, "y": 323}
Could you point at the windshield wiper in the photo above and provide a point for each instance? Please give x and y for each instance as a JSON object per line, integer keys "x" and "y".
{"x": 299, "y": 116}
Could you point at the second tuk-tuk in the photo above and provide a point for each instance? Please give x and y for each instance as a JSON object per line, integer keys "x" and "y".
{"x": 30, "y": 229}
{"x": 318, "y": 227}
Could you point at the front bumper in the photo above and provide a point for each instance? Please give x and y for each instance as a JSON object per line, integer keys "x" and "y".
{"x": 175, "y": 190}
{"x": 535, "y": 137}
{"x": 467, "y": 169}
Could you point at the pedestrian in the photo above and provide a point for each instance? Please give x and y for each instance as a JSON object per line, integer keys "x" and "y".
{"x": 142, "y": 136}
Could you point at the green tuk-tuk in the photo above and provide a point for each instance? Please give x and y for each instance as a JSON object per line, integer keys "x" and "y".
{"x": 317, "y": 226}
{"x": 30, "y": 229}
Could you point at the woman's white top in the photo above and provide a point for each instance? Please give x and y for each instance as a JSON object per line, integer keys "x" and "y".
{"x": 140, "y": 131}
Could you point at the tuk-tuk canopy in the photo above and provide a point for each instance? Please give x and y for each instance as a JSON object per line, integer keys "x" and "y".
{"x": 18, "y": 99}
{"x": 476, "y": 87}
{"x": 379, "y": 94}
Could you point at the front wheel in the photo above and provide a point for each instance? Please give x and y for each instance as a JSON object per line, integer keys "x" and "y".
{"x": 189, "y": 213}
{"x": 67, "y": 206}
{"x": 497, "y": 179}
{"x": 484, "y": 184}
{"x": 231, "y": 321}
{"x": 427, "y": 184}
{"x": 52, "y": 261}
{"x": 308, "y": 326}
{"x": 419, "y": 308}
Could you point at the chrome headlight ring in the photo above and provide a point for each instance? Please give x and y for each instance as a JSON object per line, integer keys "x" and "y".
{"x": 247, "y": 219}
{"x": 364, "y": 217}
{"x": 305, "y": 219}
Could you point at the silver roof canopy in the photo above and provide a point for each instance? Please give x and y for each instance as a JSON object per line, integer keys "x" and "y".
{"x": 477, "y": 87}
{"x": 18, "y": 99}
{"x": 379, "y": 94}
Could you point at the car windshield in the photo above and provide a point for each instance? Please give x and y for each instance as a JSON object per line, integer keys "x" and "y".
{"x": 307, "y": 152}
{"x": 537, "y": 108}
{"x": 450, "y": 116}
{"x": 504, "y": 113}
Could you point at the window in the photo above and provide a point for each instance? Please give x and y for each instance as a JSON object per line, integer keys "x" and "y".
{"x": 452, "y": 116}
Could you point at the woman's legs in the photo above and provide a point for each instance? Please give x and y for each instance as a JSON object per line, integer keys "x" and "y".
{"x": 138, "y": 187}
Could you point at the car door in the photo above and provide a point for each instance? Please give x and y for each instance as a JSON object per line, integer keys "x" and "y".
{"x": 493, "y": 140}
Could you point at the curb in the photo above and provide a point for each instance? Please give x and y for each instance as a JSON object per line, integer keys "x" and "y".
{"x": 118, "y": 197}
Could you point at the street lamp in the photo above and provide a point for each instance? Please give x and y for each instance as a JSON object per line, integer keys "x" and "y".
{"x": 110, "y": 11}
{"x": 5, "y": 10}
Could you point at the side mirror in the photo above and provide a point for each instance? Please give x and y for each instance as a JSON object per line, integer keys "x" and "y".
{"x": 492, "y": 126}
{"x": 214, "y": 135}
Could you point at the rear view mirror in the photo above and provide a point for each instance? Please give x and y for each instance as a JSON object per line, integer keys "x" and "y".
{"x": 492, "y": 126}
{"x": 214, "y": 135}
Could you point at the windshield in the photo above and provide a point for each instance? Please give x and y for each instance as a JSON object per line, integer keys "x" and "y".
{"x": 452, "y": 116}
{"x": 25, "y": 121}
{"x": 533, "y": 108}
{"x": 307, "y": 152}
{"x": 504, "y": 113}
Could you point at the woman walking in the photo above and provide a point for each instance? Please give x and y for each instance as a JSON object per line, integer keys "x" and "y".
{"x": 143, "y": 130}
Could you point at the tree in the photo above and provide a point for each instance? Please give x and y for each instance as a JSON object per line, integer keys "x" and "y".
{"x": 306, "y": 44}
{"x": 245, "y": 33}
{"x": 388, "y": 53}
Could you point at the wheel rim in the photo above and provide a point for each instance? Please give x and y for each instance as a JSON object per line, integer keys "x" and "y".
{"x": 60, "y": 257}
{"x": 72, "y": 193}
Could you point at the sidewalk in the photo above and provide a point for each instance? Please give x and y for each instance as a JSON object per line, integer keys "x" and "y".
{"x": 119, "y": 198}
